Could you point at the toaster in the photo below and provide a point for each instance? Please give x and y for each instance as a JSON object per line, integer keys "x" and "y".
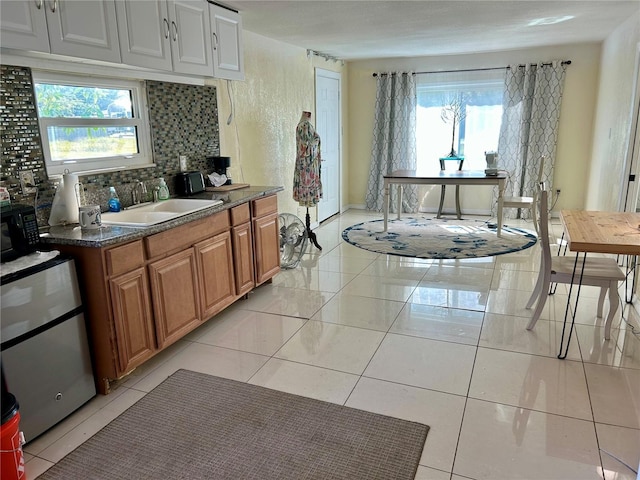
{"x": 189, "y": 183}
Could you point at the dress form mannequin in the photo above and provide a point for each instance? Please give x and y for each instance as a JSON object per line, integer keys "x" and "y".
{"x": 307, "y": 187}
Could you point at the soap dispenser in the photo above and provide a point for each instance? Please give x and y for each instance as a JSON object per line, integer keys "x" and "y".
{"x": 163, "y": 190}
{"x": 114, "y": 200}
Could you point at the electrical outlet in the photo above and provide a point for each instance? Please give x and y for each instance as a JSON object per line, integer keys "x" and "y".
{"x": 557, "y": 192}
{"x": 27, "y": 182}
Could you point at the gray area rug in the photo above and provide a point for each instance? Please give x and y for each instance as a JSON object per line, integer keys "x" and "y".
{"x": 196, "y": 426}
{"x": 424, "y": 237}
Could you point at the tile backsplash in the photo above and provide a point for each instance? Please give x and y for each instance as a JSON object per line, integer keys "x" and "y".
{"x": 183, "y": 120}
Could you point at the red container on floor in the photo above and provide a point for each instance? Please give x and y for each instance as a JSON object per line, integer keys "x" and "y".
{"x": 11, "y": 457}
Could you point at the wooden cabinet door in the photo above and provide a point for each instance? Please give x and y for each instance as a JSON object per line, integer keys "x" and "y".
{"x": 242, "y": 241}
{"x": 132, "y": 318}
{"x": 23, "y": 25}
{"x": 190, "y": 37}
{"x": 266, "y": 247}
{"x": 144, "y": 33}
{"x": 215, "y": 274}
{"x": 84, "y": 28}
{"x": 175, "y": 296}
{"x": 226, "y": 30}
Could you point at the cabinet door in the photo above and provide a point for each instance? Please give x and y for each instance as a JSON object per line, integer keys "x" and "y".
{"x": 243, "y": 258}
{"x": 215, "y": 274}
{"x": 190, "y": 37}
{"x": 23, "y": 25}
{"x": 143, "y": 30}
{"x": 84, "y": 28}
{"x": 175, "y": 298}
{"x": 226, "y": 30}
{"x": 267, "y": 247}
{"x": 132, "y": 319}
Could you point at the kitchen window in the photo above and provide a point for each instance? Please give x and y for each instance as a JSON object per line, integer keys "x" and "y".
{"x": 477, "y": 98}
{"x": 92, "y": 124}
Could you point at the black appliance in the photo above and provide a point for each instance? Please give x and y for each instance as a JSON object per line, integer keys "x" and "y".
{"x": 220, "y": 166}
{"x": 189, "y": 183}
{"x": 20, "y": 234}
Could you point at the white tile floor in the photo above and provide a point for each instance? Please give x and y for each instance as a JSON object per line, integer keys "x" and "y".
{"x": 438, "y": 342}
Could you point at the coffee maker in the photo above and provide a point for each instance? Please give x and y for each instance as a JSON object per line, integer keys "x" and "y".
{"x": 220, "y": 166}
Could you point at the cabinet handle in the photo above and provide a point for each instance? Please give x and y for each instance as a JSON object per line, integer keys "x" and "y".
{"x": 215, "y": 41}
{"x": 166, "y": 22}
{"x": 175, "y": 35}
{"x": 54, "y": 6}
{"x": 39, "y": 4}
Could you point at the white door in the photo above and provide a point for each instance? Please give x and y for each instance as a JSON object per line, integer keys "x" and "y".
{"x": 630, "y": 196}
{"x": 328, "y": 126}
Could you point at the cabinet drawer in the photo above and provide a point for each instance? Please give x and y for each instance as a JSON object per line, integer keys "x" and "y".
{"x": 124, "y": 258}
{"x": 240, "y": 214}
{"x": 186, "y": 235}
{"x": 264, "y": 206}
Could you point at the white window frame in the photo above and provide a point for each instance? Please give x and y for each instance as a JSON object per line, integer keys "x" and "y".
{"x": 458, "y": 81}
{"x": 100, "y": 164}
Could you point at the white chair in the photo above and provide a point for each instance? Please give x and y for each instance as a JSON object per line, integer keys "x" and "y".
{"x": 598, "y": 272}
{"x": 527, "y": 202}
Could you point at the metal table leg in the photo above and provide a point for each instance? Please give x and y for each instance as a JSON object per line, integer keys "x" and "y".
{"x": 561, "y": 355}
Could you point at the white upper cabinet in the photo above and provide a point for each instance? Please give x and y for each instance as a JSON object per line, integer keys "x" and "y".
{"x": 184, "y": 36}
{"x": 144, "y": 31}
{"x": 190, "y": 34}
{"x": 23, "y": 25}
{"x": 83, "y": 28}
{"x": 226, "y": 29}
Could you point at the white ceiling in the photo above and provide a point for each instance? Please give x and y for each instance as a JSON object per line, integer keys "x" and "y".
{"x": 352, "y": 30}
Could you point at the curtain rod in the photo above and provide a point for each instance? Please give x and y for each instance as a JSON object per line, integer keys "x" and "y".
{"x": 564, "y": 62}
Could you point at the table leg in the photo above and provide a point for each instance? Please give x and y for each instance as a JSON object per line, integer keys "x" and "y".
{"x": 561, "y": 355}
{"x": 458, "y": 213}
{"x": 442, "y": 192}
{"x": 399, "y": 200}
{"x": 386, "y": 205}
{"x": 501, "y": 183}
{"x": 631, "y": 264}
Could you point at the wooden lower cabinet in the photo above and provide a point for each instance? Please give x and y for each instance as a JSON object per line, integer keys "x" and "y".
{"x": 143, "y": 295}
{"x": 132, "y": 319}
{"x": 175, "y": 296}
{"x": 266, "y": 247}
{"x": 216, "y": 281}
{"x": 242, "y": 241}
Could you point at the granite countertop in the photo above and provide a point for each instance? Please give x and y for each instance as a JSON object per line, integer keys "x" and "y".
{"x": 113, "y": 234}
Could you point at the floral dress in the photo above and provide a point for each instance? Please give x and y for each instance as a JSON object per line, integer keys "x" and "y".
{"x": 307, "y": 188}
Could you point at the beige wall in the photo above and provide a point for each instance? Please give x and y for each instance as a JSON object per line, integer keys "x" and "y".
{"x": 607, "y": 175}
{"x": 575, "y": 130}
{"x": 279, "y": 85}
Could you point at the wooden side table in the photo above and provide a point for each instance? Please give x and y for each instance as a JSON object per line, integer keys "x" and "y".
{"x": 443, "y": 188}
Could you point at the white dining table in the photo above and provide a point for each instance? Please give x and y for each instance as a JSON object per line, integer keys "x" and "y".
{"x": 442, "y": 177}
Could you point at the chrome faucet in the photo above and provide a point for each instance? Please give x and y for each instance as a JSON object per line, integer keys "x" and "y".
{"x": 139, "y": 193}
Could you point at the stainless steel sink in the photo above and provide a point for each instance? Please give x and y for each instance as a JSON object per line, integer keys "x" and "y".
{"x": 154, "y": 213}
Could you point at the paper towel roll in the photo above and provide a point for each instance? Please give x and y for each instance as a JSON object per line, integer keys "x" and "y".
{"x": 70, "y": 198}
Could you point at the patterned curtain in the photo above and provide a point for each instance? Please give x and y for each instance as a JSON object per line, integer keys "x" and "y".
{"x": 394, "y": 139}
{"x": 531, "y": 110}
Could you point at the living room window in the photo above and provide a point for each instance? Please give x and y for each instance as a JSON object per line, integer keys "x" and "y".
{"x": 477, "y": 96}
{"x": 91, "y": 124}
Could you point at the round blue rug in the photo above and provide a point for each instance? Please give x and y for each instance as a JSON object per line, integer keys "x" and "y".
{"x": 438, "y": 238}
